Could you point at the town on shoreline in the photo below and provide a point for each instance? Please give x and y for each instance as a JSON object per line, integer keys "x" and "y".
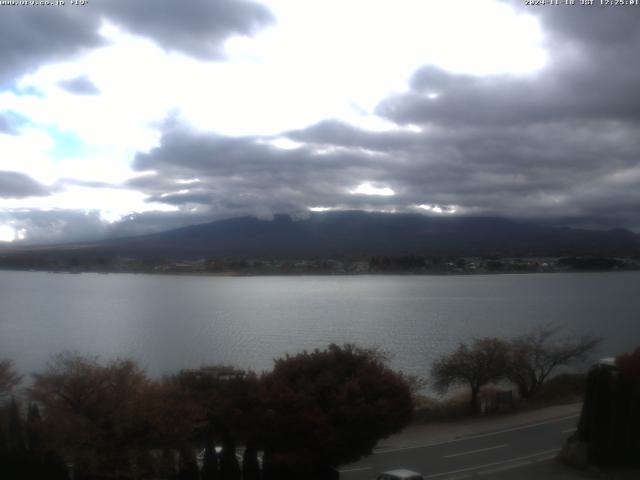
{"x": 340, "y": 265}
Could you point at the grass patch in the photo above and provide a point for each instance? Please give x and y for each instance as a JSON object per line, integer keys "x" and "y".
{"x": 562, "y": 389}
{"x": 430, "y": 409}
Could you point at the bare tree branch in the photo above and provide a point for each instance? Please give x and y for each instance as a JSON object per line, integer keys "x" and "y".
{"x": 9, "y": 379}
{"x": 536, "y": 354}
{"x": 483, "y": 362}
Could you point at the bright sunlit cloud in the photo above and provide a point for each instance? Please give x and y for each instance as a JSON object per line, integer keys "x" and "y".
{"x": 320, "y": 209}
{"x": 321, "y": 59}
{"x": 7, "y": 233}
{"x": 339, "y": 59}
{"x": 284, "y": 143}
{"x": 113, "y": 203}
{"x": 439, "y": 209}
{"x": 367, "y": 188}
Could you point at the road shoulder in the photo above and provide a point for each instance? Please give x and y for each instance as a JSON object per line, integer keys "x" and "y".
{"x": 440, "y": 432}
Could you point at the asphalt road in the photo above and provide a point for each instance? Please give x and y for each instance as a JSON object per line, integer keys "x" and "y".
{"x": 490, "y": 455}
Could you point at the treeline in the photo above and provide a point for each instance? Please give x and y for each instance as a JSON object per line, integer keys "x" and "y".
{"x": 607, "y": 433}
{"x": 340, "y": 264}
{"x": 526, "y": 361}
{"x": 311, "y": 413}
{"x": 86, "y": 419}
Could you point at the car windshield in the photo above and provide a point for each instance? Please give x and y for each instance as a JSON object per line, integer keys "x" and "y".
{"x": 386, "y": 476}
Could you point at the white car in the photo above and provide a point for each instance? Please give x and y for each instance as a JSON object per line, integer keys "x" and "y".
{"x": 400, "y": 474}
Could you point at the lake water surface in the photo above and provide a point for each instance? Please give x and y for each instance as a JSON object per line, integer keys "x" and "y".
{"x": 172, "y": 322}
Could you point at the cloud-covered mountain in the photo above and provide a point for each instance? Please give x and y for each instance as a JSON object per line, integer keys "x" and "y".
{"x": 355, "y": 233}
{"x": 115, "y": 118}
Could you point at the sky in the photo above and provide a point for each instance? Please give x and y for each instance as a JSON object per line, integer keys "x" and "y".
{"x": 122, "y": 118}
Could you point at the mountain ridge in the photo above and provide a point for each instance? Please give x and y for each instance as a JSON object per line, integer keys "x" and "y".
{"x": 358, "y": 233}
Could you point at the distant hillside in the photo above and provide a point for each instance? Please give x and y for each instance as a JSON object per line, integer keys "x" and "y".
{"x": 334, "y": 234}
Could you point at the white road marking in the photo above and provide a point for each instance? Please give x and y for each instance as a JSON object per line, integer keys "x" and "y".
{"x": 493, "y": 464}
{"x": 475, "y": 451}
{"x": 505, "y": 468}
{"x": 544, "y": 459}
{"x": 472, "y": 437}
{"x": 569, "y": 430}
{"x": 361, "y": 469}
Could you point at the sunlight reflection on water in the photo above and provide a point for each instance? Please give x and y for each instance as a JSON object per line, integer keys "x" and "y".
{"x": 172, "y": 322}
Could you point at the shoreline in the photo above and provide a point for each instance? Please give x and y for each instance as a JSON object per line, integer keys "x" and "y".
{"x": 316, "y": 274}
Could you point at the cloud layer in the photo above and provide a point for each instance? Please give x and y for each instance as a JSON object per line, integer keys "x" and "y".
{"x": 18, "y": 185}
{"x": 561, "y": 144}
{"x": 31, "y": 36}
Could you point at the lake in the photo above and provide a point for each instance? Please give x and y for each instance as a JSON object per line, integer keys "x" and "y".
{"x": 172, "y": 322}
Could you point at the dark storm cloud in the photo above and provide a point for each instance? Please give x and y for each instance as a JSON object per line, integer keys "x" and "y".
{"x": 182, "y": 198}
{"x": 561, "y": 144}
{"x": 196, "y": 27}
{"x": 79, "y": 85}
{"x": 336, "y": 133}
{"x": 573, "y": 90}
{"x": 32, "y": 36}
{"x": 239, "y": 176}
{"x": 592, "y": 74}
{"x": 55, "y": 226}
{"x": 560, "y": 169}
{"x": 19, "y": 185}
{"x": 152, "y": 222}
{"x": 184, "y": 155}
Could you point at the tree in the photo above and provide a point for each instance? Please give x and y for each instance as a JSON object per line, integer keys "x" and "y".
{"x": 210, "y": 463}
{"x": 483, "y": 362}
{"x": 187, "y": 465}
{"x": 535, "y": 355}
{"x": 169, "y": 412}
{"x": 228, "y": 401}
{"x": 250, "y": 462}
{"x": 34, "y": 427}
{"x": 629, "y": 366}
{"x": 229, "y": 466}
{"x": 17, "y": 435}
{"x": 91, "y": 410}
{"x": 610, "y": 418}
{"x": 13, "y": 454}
{"x": 9, "y": 379}
{"x": 330, "y": 407}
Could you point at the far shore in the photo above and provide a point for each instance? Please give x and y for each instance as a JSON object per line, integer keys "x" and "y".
{"x": 315, "y": 274}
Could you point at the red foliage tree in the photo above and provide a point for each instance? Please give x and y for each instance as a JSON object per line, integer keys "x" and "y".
{"x": 330, "y": 407}
{"x": 629, "y": 366}
{"x": 90, "y": 410}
